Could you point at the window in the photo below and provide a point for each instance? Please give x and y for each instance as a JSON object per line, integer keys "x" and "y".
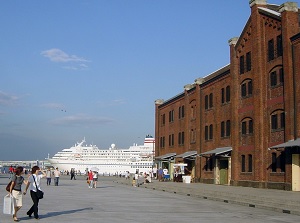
{"x": 276, "y": 77}
{"x": 243, "y": 164}
{"x": 228, "y": 94}
{"x": 181, "y": 112}
{"x": 274, "y": 121}
{"x": 208, "y": 132}
{"x": 211, "y": 132}
{"x": 211, "y": 103}
{"x": 250, "y": 163}
{"x": 273, "y": 78}
{"x": 171, "y": 140}
{"x": 228, "y": 128}
{"x": 225, "y": 95}
{"x": 281, "y": 76}
{"x": 222, "y": 95}
{"x": 270, "y": 50}
{"x": 247, "y": 126}
{"x": 279, "y": 46}
{"x": 162, "y": 142}
{"x": 171, "y": 116}
{"x": 206, "y": 102}
{"x": 244, "y": 128}
{"x": 246, "y": 88}
{"x": 278, "y": 120}
{"x": 249, "y": 88}
{"x": 181, "y": 138}
{"x": 242, "y": 62}
{"x": 248, "y": 61}
{"x": 250, "y": 126}
{"x": 222, "y": 129}
{"x": 225, "y": 129}
{"x": 274, "y": 162}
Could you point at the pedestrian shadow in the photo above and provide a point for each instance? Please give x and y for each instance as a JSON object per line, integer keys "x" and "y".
{"x": 104, "y": 186}
{"x": 57, "y": 213}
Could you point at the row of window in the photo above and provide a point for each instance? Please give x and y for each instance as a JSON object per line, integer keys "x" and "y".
{"x": 273, "y": 53}
{"x": 276, "y": 79}
{"x": 225, "y": 98}
{"x": 278, "y": 162}
{"x": 277, "y": 123}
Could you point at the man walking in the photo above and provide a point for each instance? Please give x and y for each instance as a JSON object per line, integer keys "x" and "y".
{"x": 56, "y": 176}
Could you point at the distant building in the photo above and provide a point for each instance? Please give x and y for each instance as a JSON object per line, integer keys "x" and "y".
{"x": 240, "y": 125}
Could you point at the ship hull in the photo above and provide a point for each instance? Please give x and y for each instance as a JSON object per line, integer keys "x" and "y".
{"x": 104, "y": 168}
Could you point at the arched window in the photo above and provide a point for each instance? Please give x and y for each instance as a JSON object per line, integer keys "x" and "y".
{"x": 276, "y": 77}
{"x": 247, "y": 126}
{"x": 277, "y": 120}
{"x": 246, "y": 88}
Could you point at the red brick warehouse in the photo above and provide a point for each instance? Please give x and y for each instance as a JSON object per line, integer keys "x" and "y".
{"x": 240, "y": 125}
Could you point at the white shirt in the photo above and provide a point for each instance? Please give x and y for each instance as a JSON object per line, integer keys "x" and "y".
{"x": 56, "y": 173}
{"x": 37, "y": 180}
{"x": 165, "y": 171}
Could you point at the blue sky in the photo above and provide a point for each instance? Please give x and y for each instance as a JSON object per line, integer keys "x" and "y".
{"x": 93, "y": 69}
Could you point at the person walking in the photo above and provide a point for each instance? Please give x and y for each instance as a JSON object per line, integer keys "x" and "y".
{"x": 160, "y": 174}
{"x": 34, "y": 181}
{"x": 56, "y": 176}
{"x": 90, "y": 177}
{"x": 73, "y": 174}
{"x": 48, "y": 175}
{"x": 16, "y": 190}
{"x": 95, "y": 179}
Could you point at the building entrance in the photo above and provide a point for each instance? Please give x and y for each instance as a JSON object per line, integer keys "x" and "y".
{"x": 295, "y": 172}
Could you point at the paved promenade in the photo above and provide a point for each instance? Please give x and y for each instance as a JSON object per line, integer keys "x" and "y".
{"x": 116, "y": 201}
{"x": 269, "y": 199}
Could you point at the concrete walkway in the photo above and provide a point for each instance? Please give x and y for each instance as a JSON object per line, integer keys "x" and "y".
{"x": 269, "y": 199}
{"x": 116, "y": 201}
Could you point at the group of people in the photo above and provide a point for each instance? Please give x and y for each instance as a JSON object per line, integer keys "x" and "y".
{"x": 162, "y": 173}
{"x": 92, "y": 179}
{"x": 32, "y": 183}
{"x": 55, "y": 174}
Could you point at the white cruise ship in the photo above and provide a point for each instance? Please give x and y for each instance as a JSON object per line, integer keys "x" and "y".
{"x": 83, "y": 157}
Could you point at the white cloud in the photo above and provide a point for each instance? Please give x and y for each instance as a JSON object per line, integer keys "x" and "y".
{"x": 57, "y": 55}
{"x": 73, "y": 62}
{"x": 82, "y": 120}
{"x": 8, "y": 99}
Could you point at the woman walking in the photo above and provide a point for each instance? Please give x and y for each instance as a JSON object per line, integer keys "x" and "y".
{"x": 16, "y": 190}
{"x": 90, "y": 177}
{"x": 34, "y": 181}
{"x": 95, "y": 178}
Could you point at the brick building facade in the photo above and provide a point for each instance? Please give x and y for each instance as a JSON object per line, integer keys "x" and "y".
{"x": 240, "y": 125}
